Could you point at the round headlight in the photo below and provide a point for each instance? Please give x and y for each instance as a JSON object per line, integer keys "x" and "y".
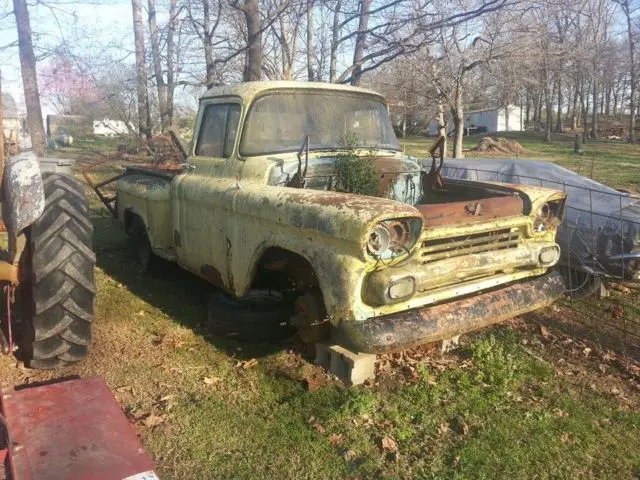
{"x": 379, "y": 240}
{"x": 549, "y": 256}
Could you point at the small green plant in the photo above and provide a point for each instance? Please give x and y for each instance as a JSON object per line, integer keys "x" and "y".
{"x": 356, "y": 174}
{"x": 497, "y": 365}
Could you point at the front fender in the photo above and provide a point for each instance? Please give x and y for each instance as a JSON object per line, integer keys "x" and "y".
{"x": 23, "y": 197}
{"x": 342, "y": 216}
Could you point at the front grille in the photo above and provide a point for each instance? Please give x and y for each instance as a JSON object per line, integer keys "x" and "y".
{"x": 443, "y": 248}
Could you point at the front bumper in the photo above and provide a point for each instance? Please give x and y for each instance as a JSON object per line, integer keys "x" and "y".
{"x": 424, "y": 325}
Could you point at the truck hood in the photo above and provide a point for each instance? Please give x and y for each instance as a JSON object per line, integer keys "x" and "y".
{"x": 400, "y": 173}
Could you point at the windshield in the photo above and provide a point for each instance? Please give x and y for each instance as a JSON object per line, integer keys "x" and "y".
{"x": 278, "y": 122}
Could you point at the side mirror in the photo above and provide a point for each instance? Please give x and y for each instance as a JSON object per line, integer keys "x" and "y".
{"x": 22, "y": 196}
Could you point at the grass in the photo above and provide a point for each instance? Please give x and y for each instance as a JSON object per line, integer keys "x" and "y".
{"x": 613, "y": 162}
{"x": 520, "y": 400}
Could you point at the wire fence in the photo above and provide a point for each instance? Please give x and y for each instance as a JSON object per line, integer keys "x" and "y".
{"x": 600, "y": 241}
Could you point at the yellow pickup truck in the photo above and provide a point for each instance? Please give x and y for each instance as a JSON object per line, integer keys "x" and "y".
{"x": 256, "y": 210}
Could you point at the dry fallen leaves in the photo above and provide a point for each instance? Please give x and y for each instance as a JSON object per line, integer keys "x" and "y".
{"x": 389, "y": 444}
{"x": 544, "y": 332}
{"x": 211, "y": 380}
{"x": 558, "y": 412}
{"x": 617, "y": 311}
{"x": 349, "y": 455}
{"x": 316, "y": 424}
{"x": 335, "y": 439}
{"x": 154, "y": 420}
{"x": 247, "y": 364}
{"x": 567, "y": 438}
{"x": 443, "y": 428}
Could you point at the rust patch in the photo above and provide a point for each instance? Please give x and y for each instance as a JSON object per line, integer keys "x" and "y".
{"x": 349, "y": 201}
{"x": 424, "y": 325}
{"x": 474, "y": 211}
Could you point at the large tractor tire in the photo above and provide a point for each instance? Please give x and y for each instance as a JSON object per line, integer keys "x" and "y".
{"x": 59, "y": 287}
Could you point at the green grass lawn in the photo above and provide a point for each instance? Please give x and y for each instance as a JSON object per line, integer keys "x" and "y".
{"x": 511, "y": 403}
{"x": 612, "y": 162}
{"x": 517, "y": 401}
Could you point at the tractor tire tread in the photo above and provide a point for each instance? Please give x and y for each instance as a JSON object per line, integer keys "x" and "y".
{"x": 62, "y": 277}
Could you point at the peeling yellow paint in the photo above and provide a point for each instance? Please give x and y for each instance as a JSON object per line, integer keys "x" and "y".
{"x": 226, "y": 214}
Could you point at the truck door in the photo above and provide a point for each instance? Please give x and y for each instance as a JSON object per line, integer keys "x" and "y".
{"x": 202, "y": 197}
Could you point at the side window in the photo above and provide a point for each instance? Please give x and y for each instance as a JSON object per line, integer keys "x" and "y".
{"x": 218, "y": 130}
{"x": 233, "y": 120}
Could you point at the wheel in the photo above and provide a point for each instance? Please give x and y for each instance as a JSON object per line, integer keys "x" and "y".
{"x": 59, "y": 286}
{"x": 580, "y": 284}
{"x": 142, "y": 246}
{"x": 261, "y": 315}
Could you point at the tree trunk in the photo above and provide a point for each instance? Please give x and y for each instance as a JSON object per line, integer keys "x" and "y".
{"x": 631, "y": 34}
{"x": 29, "y": 77}
{"x": 210, "y": 80}
{"x": 607, "y": 100}
{"x": 574, "y": 113}
{"x": 442, "y": 126}
{"x": 559, "y": 110}
{"x": 549, "y": 111}
{"x": 594, "y": 113}
{"x": 335, "y": 36}
{"x": 310, "y": 75}
{"x": 584, "y": 100}
{"x": 251, "y": 10}
{"x": 361, "y": 39}
{"x": 538, "y": 111}
{"x": 458, "y": 122}
{"x": 157, "y": 67}
{"x": 144, "y": 115}
{"x": 171, "y": 86}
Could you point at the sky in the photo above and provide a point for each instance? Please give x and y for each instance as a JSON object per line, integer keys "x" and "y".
{"x": 85, "y": 26}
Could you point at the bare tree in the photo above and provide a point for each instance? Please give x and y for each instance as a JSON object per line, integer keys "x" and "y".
{"x": 144, "y": 114}
{"x": 161, "y": 86}
{"x": 253, "y": 64}
{"x": 29, "y": 76}
{"x": 310, "y": 74}
{"x": 629, "y": 10}
{"x": 171, "y": 77}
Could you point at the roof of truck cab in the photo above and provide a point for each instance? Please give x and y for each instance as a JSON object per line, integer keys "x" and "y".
{"x": 248, "y": 90}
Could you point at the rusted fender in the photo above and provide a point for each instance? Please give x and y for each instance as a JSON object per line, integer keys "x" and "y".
{"x": 424, "y": 325}
{"x": 340, "y": 215}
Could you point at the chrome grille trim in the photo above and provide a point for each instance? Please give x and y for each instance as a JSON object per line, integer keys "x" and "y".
{"x": 440, "y": 249}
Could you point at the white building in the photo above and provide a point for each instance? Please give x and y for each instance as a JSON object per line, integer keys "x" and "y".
{"x": 504, "y": 119}
{"x": 111, "y": 128}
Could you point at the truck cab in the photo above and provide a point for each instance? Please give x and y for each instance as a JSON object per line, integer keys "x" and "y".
{"x": 259, "y": 201}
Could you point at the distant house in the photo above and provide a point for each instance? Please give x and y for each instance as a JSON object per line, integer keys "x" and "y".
{"x": 110, "y": 128}
{"x": 503, "y": 119}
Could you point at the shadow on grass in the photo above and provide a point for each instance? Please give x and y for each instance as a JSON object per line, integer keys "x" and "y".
{"x": 177, "y": 293}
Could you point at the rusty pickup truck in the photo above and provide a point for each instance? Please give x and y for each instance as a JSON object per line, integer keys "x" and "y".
{"x": 256, "y": 208}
